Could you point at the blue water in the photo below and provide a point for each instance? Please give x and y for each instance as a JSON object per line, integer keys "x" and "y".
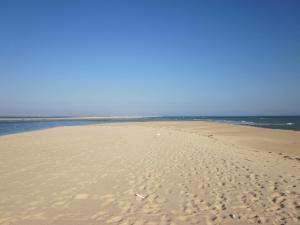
{"x": 273, "y": 122}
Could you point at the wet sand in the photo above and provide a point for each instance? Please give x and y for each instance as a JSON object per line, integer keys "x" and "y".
{"x": 150, "y": 173}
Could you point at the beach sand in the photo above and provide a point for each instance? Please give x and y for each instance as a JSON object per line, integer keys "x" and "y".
{"x": 150, "y": 173}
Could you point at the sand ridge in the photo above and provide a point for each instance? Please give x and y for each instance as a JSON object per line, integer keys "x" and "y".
{"x": 96, "y": 174}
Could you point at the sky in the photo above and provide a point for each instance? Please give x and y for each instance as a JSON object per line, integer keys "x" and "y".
{"x": 89, "y": 58}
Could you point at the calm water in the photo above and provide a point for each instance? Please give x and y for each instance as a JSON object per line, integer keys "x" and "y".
{"x": 282, "y": 122}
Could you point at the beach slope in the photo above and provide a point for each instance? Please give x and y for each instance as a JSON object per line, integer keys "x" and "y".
{"x": 150, "y": 173}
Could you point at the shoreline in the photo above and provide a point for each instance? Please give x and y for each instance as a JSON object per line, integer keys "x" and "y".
{"x": 78, "y": 119}
{"x": 73, "y": 118}
{"x": 285, "y": 141}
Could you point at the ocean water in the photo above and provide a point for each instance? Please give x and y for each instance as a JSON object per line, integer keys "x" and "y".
{"x": 17, "y": 125}
{"x": 273, "y": 122}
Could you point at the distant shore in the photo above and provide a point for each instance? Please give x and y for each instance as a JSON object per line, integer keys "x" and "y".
{"x": 73, "y": 117}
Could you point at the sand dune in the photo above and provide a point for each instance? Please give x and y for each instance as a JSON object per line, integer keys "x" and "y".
{"x": 150, "y": 173}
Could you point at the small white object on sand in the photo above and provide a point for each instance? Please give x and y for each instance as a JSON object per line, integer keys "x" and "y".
{"x": 233, "y": 216}
{"x": 140, "y": 196}
{"x": 158, "y": 134}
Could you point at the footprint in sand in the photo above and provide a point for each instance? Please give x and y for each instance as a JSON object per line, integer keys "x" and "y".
{"x": 81, "y": 196}
{"x": 115, "y": 219}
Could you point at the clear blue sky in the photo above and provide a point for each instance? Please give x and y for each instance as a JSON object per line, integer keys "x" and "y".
{"x": 149, "y": 57}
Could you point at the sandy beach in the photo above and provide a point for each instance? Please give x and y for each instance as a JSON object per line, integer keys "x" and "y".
{"x": 150, "y": 173}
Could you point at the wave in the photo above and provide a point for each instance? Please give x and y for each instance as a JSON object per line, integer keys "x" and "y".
{"x": 251, "y": 123}
{"x": 247, "y": 122}
{"x": 289, "y": 124}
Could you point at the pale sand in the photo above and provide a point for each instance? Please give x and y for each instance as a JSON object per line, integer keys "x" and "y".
{"x": 150, "y": 173}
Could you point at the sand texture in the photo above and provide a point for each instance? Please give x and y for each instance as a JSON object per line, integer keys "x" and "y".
{"x": 150, "y": 173}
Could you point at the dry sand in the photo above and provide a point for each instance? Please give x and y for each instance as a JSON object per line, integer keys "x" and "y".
{"x": 150, "y": 173}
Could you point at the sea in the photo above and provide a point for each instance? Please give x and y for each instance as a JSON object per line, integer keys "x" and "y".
{"x": 17, "y": 125}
